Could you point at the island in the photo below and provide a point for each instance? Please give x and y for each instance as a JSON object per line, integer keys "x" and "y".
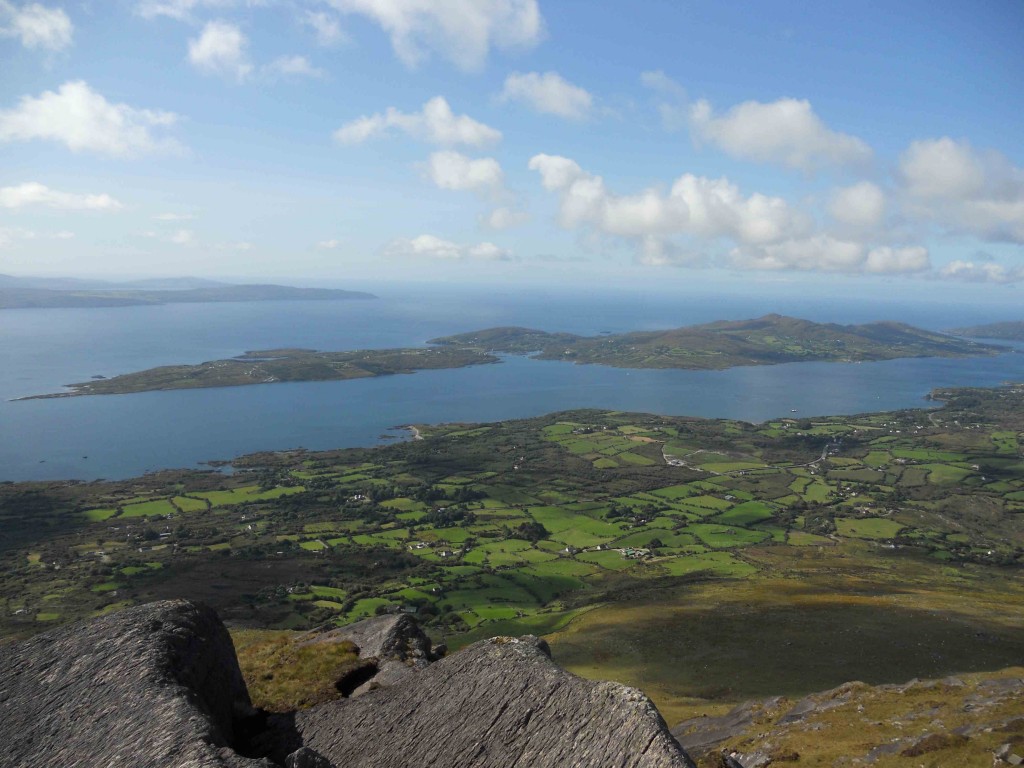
{"x": 769, "y": 340}
{"x": 276, "y": 365}
{"x": 1008, "y": 331}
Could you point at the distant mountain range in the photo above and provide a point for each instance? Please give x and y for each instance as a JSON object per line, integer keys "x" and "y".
{"x": 44, "y": 292}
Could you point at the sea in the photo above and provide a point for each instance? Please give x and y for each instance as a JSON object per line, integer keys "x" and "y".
{"x": 121, "y": 436}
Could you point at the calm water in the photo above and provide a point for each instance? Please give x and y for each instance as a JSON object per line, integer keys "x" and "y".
{"x": 125, "y": 435}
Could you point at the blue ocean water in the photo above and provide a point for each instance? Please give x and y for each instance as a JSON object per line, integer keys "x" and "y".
{"x": 126, "y": 435}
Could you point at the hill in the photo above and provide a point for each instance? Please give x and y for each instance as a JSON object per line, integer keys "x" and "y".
{"x": 767, "y": 340}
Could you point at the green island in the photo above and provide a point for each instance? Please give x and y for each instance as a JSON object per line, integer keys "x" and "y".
{"x": 769, "y": 340}
{"x": 1009, "y": 331}
{"x": 705, "y": 561}
{"x": 277, "y": 365}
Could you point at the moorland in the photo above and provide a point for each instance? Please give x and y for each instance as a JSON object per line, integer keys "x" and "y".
{"x": 705, "y": 561}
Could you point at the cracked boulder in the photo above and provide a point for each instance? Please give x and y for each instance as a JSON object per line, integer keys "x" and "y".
{"x": 498, "y": 703}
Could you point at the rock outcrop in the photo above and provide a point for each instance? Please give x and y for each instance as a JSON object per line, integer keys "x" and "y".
{"x": 156, "y": 685}
{"x": 501, "y": 702}
{"x": 159, "y": 685}
{"x": 394, "y": 645}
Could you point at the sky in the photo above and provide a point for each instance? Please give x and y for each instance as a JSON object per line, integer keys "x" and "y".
{"x": 852, "y": 148}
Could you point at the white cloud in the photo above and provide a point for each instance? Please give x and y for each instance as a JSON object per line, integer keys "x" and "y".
{"x": 220, "y": 49}
{"x": 548, "y": 93}
{"x": 180, "y": 9}
{"x": 182, "y": 237}
{"x": 326, "y": 27}
{"x": 328, "y": 245}
{"x": 861, "y": 205}
{"x": 887, "y": 260}
{"x": 291, "y": 66}
{"x": 824, "y": 253}
{"x": 672, "y": 107}
{"x": 34, "y": 193}
{"x": 462, "y": 31}
{"x": 435, "y": 124}
{"x": 786, "y": 132}
{"x": 965, "y": 190}
{"x": 431, "y": 247}
{"x": 82, "y": 119}
{"x": 455, "y": 171}
{"x": 9, "y": 235}
{"x": 698, "y": 206}
{"x": 505, "y": 218}
{"x": 36, "y": 25}
{"x": 983, "y": 272}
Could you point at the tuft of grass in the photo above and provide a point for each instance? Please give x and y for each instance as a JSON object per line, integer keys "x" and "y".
{"x": 283, "y": 674}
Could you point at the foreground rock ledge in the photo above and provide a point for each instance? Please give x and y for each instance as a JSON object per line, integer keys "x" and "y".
{"x": 159, "y": 685}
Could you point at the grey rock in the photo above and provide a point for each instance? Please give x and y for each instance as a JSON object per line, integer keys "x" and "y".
{"x": 156, "y": 685}
{"x": 499, "y": 703}
{"x": 700, "y": 735}
{"x": 396, "y": 644}
{"x": 159, "y": 685}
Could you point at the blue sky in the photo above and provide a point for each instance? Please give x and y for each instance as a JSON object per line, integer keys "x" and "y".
{"x": 851, "y": 147}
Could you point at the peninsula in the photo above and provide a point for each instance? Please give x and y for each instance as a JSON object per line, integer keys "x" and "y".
{"x": 769, "y": 340}
{"x": 1010, "y": 331}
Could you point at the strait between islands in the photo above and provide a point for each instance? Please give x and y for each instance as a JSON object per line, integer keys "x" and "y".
{"x": 769, "y": 340}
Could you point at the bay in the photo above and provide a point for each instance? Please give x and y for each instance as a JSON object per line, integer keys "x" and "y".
{"x": 125, "y": 435}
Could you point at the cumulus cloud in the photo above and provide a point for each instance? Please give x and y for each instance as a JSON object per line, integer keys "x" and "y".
{"x": 861, "y": 205}
{"x": 785, "y": 132}
{"x": 965, "y": 190}
{"x": 328, "y": 245}
{"x": 549, "y": 93}
{"x": 435, "y": 123}
{"x": 431, "y": 247}
{"x": 892, "y": 261}
{"x": 33, "y": 193}
{"x": 326, "y": 28}
{"x": 83, "y": 120}
{"x": 463, "y": 31}
{"x": 824, "y": 253}
{"x": 694, "y": 205}
{"x": 981, "y": 272}
{"x": 291, "y": 66}
{"x": 36, "y": 25}
{"x": 505, "y": 218}
{"x": 687, "y": 224}
{"x": 455, "y": 171}
{"x": 221, "y": 49}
